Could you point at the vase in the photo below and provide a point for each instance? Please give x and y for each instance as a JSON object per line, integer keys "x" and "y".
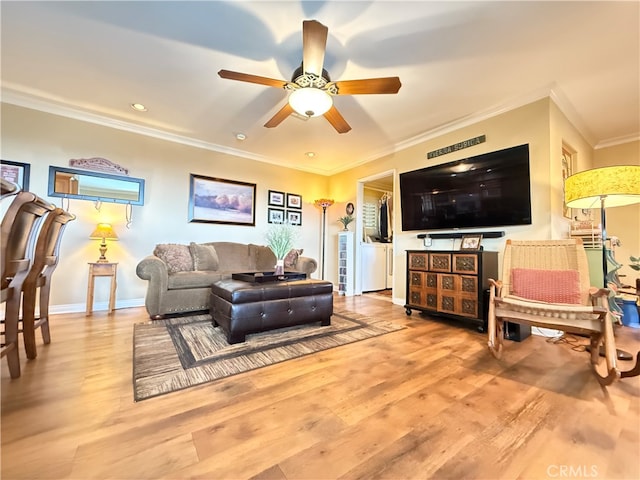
{"x": 279, "y": 267}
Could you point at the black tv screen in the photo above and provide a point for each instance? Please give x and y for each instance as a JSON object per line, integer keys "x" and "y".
{"x": 489, "y": 190}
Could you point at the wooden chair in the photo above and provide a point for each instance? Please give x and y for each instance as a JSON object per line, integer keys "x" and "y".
{"x": 19, "y": 226}
{"x": 545, "y": 283}
{"x": 8, "y": 188}
{"x": 45, "y": 260}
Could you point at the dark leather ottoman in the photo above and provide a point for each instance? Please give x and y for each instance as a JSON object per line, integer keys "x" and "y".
{"x": 240, "y": 308}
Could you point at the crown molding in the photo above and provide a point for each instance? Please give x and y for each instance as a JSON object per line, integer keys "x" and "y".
{"x": 612, "y": 142}
{"x": 35, "y": 102}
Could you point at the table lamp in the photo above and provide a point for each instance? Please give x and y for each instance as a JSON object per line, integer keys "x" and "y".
{"x": 103, "y": 232}
{"x": 323, "y": 203}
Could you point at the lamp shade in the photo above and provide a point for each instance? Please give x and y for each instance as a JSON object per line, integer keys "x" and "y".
{"x": 617, "y": 185}
{"x": 104, "y": 230}
{"x": 324, "y": 202}
{"x": 310, "y": 101}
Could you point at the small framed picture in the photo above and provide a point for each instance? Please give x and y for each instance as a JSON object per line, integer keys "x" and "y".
{"x": 350, "y": 208}
{"x": 471, "y": 242}
{"x": 276, "y": 199}
{"x": 17, "y": 173}
{"x": 294, "y": 217}
{"x": 275, "y": 215}
{"x": 294, "y": 201}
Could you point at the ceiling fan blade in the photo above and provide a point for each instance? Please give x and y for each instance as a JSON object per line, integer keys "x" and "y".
{"x": 370, "y": 85}
{"x": 245, "y": 77}
{"x": 314, "y": 43}
{"x": 277, "y": 119}
{"x": 337, "y": 120}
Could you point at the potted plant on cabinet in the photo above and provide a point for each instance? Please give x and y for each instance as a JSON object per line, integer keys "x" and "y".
{"x": 345, "y": 221}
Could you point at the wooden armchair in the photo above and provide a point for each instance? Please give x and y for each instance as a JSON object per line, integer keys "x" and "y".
{"x": 545, "y": 283}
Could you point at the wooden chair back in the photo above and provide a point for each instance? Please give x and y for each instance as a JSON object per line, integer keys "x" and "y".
{"x": 17, "y": 233}
{"x": 45, "y": 260}
{"x": 562, "y": 254}
{"x": 8, "y": 188}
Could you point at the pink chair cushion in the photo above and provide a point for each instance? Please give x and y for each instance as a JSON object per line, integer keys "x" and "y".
{"x": 552, "y": 286}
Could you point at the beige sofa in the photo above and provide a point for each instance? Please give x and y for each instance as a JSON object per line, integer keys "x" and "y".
{"x": 180, "y": 276}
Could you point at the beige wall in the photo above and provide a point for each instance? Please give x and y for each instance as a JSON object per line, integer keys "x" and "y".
{"x": 529, "y": 124}
{"x": 42, "y": 139}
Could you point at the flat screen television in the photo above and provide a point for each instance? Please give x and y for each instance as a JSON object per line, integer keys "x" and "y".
{"x": 489, "y": 190}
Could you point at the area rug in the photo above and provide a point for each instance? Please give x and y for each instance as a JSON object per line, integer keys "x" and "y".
{"x": 177, "y": 353}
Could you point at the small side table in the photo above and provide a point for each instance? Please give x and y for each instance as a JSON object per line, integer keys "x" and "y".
{"x": 102, "y": 270}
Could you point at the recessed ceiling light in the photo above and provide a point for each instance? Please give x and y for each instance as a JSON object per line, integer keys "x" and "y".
{"x": 241, "y": 136}
{"x": 138, "y": 107}
{"x": 310, "y": 154}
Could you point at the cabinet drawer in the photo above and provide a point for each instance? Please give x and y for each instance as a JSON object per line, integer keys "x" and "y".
{"x": 419, "y": 261}
{"x": 468, "y": 286}
{"x": 465, "y": 263}
{"x": 440, "y": 262}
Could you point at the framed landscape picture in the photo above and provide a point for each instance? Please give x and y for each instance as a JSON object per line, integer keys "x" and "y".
{"x": 16, "y": 172}
{"x": 215, "y": 200}
{"x": 294, "y": 217}
{"x": 294, "y": 201}
{"x": 276, "y": 199}
{"x": 275, "y": 215}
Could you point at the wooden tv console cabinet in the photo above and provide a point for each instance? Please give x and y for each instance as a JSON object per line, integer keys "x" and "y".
{"x": 450, "y": 283}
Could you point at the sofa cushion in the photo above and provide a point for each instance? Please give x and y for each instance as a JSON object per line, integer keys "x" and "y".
{"x": 233, "y": 257}
{"x": 176, "y": 256}
{"x": 204, "y": 257}
{"x": 264, "y": 258}
{"x": 292, "y": 257}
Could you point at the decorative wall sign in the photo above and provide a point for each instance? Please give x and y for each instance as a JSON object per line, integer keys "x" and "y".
{"x": 458, "y": 146}
{"x": 99, "y": 165}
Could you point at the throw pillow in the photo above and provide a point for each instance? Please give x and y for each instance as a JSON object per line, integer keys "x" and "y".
{"x": 291, "y": 258}
{"x": 177, "y": 257}
{"x": 204, "y": 257}
{"x": 552, "y": 286}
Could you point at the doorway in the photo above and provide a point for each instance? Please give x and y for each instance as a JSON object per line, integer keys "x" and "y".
{"x": 370, "y": 241}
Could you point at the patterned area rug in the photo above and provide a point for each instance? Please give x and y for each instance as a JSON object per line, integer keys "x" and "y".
{"x": 177, "y": 353}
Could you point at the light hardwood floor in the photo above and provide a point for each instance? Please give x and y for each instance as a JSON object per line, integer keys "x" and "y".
{"x": 425, "y": 402}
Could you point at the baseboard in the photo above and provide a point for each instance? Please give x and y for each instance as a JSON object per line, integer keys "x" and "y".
{"x": 97, "y": 306}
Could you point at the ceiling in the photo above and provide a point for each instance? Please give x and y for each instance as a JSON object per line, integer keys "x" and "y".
{"x": 458, "y": 62}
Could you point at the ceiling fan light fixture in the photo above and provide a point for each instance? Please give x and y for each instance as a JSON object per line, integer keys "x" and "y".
{"x": 310, "y": 101}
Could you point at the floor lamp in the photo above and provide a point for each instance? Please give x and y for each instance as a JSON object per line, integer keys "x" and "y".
{"x": 604, "y": 188}
{"x": 323, "y": 203}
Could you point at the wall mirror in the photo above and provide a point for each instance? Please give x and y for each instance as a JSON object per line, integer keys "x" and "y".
{"x": 97, "y": 186}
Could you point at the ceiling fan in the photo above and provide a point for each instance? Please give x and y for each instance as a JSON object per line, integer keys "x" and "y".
{"x": 310, "y": 86}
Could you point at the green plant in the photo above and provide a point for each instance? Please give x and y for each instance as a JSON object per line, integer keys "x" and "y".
{"x": 635, "y": 263}
{"x": 280, "y": 238}
{"x": 346, "y": 220}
